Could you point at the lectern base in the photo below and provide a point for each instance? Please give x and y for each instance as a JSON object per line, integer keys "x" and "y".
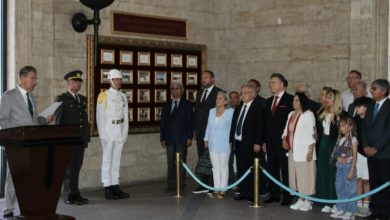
{"x": 51, "y": 217}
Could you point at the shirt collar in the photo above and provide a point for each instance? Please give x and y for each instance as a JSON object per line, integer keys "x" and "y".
{"x": 73, "y": 94}
{"x": 210, "y": 88}
{"x": 381, "y": 102}
{"x": 177, "y": 100}
{"x": 248, "y": 104}
{"x": 23, "y": 91}
{"x": 280, "y": 94}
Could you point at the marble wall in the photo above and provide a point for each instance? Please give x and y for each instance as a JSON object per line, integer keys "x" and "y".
{"x": 311, "y": 41}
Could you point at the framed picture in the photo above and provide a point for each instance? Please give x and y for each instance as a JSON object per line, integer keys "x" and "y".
{"x": 143, "y": 58}
{"x": 176, "y": 60}
{"x": 160, "y": 77}
{"x": 129, "y": 95}
{"x": 191, "y": 95}
{"x": 143, "y": 114}
{"x": 176, "y": 76}
{"x": 126, "y": 57}
{"x": 127, "y": 76}
{"x": 157, "y": 113}
{"x": 160, "y": 59}
{"x": 143, "y": 77}
{"x": 104, "y": 76}
{"x": 107, "y": 56}
{"x": 160, "y": 95}
{"x": 131, "y": 115}
{"x": 192, "y": 61}
{"x": 192, "y": 78}
{"x": 143, "y": 95}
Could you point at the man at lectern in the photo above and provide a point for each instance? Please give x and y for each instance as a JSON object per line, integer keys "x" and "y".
{"x": 73, "y": 111}
{"x": 112, "y": 121}
{"x": 17, "y": 108}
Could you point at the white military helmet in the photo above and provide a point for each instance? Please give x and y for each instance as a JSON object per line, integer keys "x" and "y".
{"x": 114, "y": 74}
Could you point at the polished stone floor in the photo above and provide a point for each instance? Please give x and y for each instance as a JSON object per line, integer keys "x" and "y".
{"x": 149, "y": 201}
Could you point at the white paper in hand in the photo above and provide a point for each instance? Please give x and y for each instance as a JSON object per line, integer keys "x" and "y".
{"x": 50, "y": 110}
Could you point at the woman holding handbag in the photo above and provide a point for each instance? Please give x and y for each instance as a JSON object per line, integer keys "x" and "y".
{"x": 217, "y": 141}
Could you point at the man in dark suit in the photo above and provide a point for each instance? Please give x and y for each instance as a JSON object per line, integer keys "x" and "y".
{"x": 73, "y": 111}
{"x": 359, "y": 90}
{"x": 246, "y": 135}
{"x": 376, "y": 145}
{"x": 205, "y": 100}
{"x": 256, "y": 84}
{"x": 263, "y": 163}
{"x": 177, "y": 127}
{"x": 277, "y": 108}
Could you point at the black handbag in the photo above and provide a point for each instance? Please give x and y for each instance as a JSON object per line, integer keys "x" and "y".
{"x": 204, "y": 166}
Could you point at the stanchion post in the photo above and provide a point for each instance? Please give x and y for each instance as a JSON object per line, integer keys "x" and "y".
{"x": 256, "y": 184}
{"x": 177, "y": 175}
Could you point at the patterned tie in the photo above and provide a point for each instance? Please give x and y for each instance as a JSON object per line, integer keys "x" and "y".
{"x": 376, "y": 110}
{"x": 240, "y": 121}
{"x": 275, "y": 105}
{"x": 30, "y": 106}
{"x": 204, "y": 96}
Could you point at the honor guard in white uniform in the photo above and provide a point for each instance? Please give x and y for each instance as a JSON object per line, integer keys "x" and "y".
{"x": 113, "y": 124}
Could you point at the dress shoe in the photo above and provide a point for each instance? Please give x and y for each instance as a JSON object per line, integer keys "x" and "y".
{"x": 81, "y": 199}
{"x": 8, "y": 215}
{"x": 239, "y": 197}
{"x": 109, "y": 193}
{"x": 120, "y": 193}
{"x": 271, "y": 200}
{"x": 286, "y": 202}
{"x": 75, "y": 200}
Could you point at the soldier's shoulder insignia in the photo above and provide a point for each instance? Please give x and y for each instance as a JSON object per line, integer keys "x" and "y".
{"x": 102, "y": 97}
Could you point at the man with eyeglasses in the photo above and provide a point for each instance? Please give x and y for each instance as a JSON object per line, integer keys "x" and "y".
{"x": 177, "y": 127}
{"x": 376, "y": 145}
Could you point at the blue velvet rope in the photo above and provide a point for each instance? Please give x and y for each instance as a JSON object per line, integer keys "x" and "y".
{"x": 356, "y": 198}
{"x": 213, "y": 188}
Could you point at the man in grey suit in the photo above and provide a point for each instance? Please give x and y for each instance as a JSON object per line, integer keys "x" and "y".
{"x": 17, "y": 108}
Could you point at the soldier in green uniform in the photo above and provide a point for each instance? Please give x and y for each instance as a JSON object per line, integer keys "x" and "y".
{"x": 73, "y": 111}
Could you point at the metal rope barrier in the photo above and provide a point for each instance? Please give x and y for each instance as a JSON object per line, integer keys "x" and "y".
{"x": 356, "y": 198}
{"x": 213, "y": 188}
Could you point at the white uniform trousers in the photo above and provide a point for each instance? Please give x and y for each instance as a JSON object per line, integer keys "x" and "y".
{"x": 112, "y": 151}
{"x": 10, "y": 195}
{"x": 220, "y": 162}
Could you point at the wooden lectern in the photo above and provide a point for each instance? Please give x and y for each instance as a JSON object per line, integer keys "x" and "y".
{"x": 37, "y": 157}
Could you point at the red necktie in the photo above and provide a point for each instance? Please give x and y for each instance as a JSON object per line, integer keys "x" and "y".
{"x": 274, "y": 105}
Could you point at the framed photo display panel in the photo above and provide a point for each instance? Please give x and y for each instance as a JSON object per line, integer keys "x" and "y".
{"x": 160, "y": 77}
{"x": 148, "y": 69}
{"x": 125, "y": 57}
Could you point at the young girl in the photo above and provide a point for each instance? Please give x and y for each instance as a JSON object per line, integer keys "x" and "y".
{"x": 345, "y": 154}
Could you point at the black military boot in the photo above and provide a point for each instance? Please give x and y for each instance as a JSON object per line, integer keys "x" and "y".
{"x": 120, "y": 193}
{"x": 110, "y": 194}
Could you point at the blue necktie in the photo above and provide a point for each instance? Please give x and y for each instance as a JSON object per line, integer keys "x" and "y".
{"x": 376, "y": 110}
{"x": 240, "y": 121}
